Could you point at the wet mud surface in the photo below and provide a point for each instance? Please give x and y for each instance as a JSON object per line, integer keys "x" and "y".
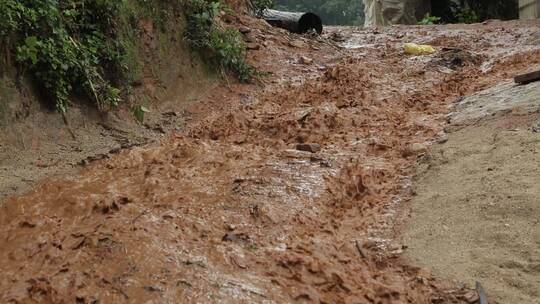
{"x": 292, "y": 190}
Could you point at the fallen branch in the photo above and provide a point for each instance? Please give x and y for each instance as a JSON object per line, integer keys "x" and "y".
{"x": 66, "y": 122}
{"x": 527, "y": 77}
{"x": 360, "y": 250}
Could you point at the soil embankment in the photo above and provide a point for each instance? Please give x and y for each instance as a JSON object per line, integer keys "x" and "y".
{"x": 475, "y": 211}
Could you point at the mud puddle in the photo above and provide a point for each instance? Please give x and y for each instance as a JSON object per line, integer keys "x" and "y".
{"x": 290, "y": 193}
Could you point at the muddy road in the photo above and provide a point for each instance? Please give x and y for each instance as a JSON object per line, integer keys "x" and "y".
{"x": 291, "y": 190}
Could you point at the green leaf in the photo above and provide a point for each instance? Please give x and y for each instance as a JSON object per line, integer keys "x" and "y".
{"x": 139, "y": 112}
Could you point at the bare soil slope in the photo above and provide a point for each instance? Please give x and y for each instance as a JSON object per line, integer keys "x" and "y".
{"x": 475, "y": 213}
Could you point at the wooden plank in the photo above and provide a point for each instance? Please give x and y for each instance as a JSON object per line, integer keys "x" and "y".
{"x": 481, "y": 293}
{"x": 527, "y": 77}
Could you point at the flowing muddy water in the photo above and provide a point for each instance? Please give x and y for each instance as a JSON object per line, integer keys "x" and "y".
{"x": 230, "y": 211}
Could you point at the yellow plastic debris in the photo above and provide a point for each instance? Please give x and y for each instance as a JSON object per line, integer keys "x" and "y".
{"x": 418, "y": 49}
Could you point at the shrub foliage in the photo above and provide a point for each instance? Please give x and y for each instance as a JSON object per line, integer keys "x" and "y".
{"x": 64, "y": 44}
{"x": 73, "y": 46}
{"x": 221, "y": 46}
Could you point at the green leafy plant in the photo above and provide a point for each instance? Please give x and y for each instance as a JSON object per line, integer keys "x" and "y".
{"x": 139, "y": 112}
{"x": 221, "y": 46}
{"x": 65, "y": 44}
{"x": 260, "y": 5}
{"x": 89, "y": 48}
{"x": 467, "y": 15}
{"x": 253, "y": 247}
{"x": 488, "y": 9}
{"x": 428, "y": 19}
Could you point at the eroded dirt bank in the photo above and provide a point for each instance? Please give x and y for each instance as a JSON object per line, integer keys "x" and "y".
{"x": 475, "y": 213}
{"x": 230, "y": 211}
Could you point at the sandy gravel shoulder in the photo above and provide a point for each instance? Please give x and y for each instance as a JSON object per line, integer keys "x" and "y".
{"x": 475, "y": 213}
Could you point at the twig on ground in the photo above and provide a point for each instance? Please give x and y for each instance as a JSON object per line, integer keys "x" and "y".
{"x": 360, "y": 250}
{"x": 68, "y": 127}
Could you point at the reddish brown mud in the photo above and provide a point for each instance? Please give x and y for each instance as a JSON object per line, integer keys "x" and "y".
{"x": 230, "y": 211}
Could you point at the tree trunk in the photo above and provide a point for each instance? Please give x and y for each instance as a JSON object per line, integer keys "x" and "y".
{"x": 293, "y": 21}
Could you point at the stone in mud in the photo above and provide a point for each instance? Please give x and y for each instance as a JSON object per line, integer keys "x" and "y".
{"x": 229, "y": 18}
{"x": 297, "y": 44}
{"x": 343, "y": 103}
{"x": 415, "y": 149}
{"x": 471, "y": 297}
{"x": 244, "y": 29}
{"x": 338, "y": 37}
{"x": 106, "y": 207}
{"x": 297, "y": 154}
{"x": 253, "y": 46}
{"x": 442, "y": 140}
{"x": 536, "y": 128}
{"x": 454, "y": 58}
{"x": 250, "y": 39}
{"x": 313, "y": 148}
{"x": 239, "y": 139}
{"x": 235, "y": 237}
{"x": 27, "y": 224}
{"x": 305, "y": 60}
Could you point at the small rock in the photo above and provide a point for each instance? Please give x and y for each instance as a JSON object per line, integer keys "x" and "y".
{"x": 442, "y": 139}
{"x": 235, "y": 237}
{"x": 416, "y": 149}
{"x": 168, "y": 216}
{"x": 244, "y": 29}
{"x": 250, "y": 39}
{"x": 343, "y": 103}
{"x": 471, "y": 297}
{"x": 422, "y": 280}
{"x": 170, "y": 114}
{"x": 238, "y": 261}
{"x": 338, "y": 37}
{"x": 229, "y": 18}
{"x": 239, "y": 139}
{"x": 297, "y": 154}
{"x": 153, "y": 288}
{"x": 297, "y": 43}
{"x": 156, "y": 127}
{"x": 313, "y": 148}
{"x": 536, "y": 129}
{"x": 446, "y": 70}
{"x": 106, "y": 207}
{"x": 196, "y": 261}
{"x": 253, "y": 46}
{"x": 305, "y": 60}
{"x": 75, "y": 243}
{"x": 27, "y": 224}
